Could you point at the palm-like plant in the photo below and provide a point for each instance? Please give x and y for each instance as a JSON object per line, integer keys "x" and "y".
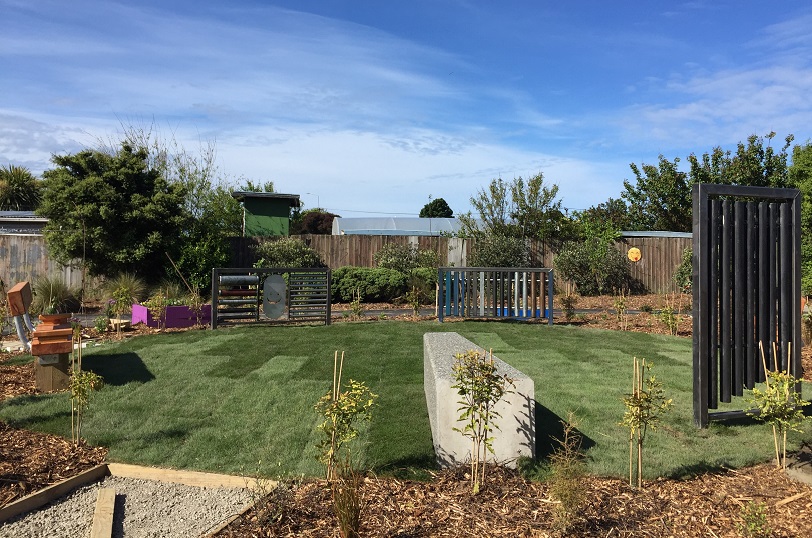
{"x": 19, "y": 190}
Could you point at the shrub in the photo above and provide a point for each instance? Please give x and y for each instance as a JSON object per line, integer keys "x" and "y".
{"x": 375, "y": 284}
{"x": 425, "y": 280}
{"x": 286, "y": 252}
{"x": 52, "y": 294}
{"x": 405, "y": 258}
{"x": 132, "y": 286}
{"x": 494, "y": 250}
{"x": 594, "y": 266}
{"x": 684, "y": 275}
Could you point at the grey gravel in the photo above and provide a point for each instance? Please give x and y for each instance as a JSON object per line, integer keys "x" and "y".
{"x": 144, "y": 509}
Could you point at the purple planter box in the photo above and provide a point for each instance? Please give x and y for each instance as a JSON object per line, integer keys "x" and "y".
{"x": 176, "y": 316}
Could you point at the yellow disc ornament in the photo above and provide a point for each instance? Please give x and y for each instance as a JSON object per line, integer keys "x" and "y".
{"x": 634, "y": 254}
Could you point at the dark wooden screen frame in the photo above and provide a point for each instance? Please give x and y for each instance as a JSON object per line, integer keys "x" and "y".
{"x": 744, "y": 239}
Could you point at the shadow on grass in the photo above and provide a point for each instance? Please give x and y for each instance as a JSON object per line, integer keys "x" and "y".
{"x": 409, "y": 468}
{"x": 118, "y": 369}
{"x": 41, "y": 422}
{"x": 549, "y": 430}
{"x": 696, "y": 469}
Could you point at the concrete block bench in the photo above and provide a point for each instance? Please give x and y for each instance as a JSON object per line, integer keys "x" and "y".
{"x": 517, "y": 434}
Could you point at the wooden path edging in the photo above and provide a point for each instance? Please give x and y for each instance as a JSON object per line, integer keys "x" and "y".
{"x": 46, "y": 495}
{"x": 103, "y": 514}
{"x": 189, "y": 478}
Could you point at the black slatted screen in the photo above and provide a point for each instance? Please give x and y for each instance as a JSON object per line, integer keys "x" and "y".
{"x": 747, "y": 289}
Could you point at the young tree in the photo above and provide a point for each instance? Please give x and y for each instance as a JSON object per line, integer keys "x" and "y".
{"x": 661, "y": 197}
{"x": 114, "y": 212}
{"x": 19, "y": 189}
{"x": 437, "y": 208}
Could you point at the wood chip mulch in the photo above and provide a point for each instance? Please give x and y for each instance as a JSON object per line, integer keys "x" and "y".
{"x": 709, "y": 505}
{"x": 30, "y": 461}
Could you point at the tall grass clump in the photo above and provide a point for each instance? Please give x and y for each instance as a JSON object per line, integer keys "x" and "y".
{"x": 51, "y": 295}
{"x": 126, "y": 284}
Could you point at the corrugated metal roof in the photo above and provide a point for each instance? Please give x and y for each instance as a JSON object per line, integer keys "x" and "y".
{"x": 395, "y": 226}
{"x": 21, "y": 223}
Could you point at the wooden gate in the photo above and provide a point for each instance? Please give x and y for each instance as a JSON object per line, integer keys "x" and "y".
{"x": 747, "y": 289}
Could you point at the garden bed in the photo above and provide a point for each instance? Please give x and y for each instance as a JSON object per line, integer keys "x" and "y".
{"x": 175, "y": 317}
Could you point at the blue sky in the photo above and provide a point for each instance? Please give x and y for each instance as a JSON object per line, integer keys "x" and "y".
{"x": 374, "y": 106}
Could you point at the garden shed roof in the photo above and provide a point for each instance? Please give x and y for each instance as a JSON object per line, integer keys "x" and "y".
{"x": 394, "y": 226}
{"x": 242, "y": 195}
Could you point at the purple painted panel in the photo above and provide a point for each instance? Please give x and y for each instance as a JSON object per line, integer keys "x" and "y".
{"x": 176, "y": 316}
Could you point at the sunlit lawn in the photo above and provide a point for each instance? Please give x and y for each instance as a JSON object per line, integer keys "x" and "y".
{"x": 241, "y": 399}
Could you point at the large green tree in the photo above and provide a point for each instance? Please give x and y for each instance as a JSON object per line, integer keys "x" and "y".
{"x": 114, "y": 212}
{"x": 660, "y": 198}
{"x": 800, "y": 177}
{"x": 19, "y": 189}
{"x": 437, "y": 208}
{"x": 214, "y": 214}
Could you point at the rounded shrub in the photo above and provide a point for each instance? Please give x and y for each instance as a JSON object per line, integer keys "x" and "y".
{"x": 286, "y": 252}
{"x": 494, "y": 250}
{"x": 375, "y": 284}
{"x": 594, "y": 266}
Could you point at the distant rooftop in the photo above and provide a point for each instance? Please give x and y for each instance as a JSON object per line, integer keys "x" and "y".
{"x": 242, "y": 195}
{"x": 21, "y": 223}
{"x": 394, "y": 226}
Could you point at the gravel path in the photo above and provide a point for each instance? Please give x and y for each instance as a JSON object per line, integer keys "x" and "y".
{"x": 144, "y": 508}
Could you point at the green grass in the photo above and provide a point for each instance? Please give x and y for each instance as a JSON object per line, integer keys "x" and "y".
{"x": 225, "y": 400}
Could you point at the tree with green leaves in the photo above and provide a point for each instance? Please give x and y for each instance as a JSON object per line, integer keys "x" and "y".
{"x": 755, "y": 164}
{"x": 19, "y": 189}
{"x": 437, "y": 208}
{"x": 112, "y": 211}
{"x": 660, "y": 199}
{"x": 249, "y": 186}
{"x": 214, "y": 214}
{"x": 511, "y": 212}
{"x": 800, "y": 177}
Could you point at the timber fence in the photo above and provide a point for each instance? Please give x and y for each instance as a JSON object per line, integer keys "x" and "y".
{"x": 661, "y": 255}
{"x": 26, "y": 257}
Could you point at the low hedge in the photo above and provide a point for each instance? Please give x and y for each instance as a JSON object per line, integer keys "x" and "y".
{"x": 378, "y": 284}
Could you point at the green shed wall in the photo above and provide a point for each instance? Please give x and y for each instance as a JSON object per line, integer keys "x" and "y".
{"x": 264, "y": 217}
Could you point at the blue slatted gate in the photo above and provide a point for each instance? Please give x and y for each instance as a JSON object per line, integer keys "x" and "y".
{"x": 495, "y": 292}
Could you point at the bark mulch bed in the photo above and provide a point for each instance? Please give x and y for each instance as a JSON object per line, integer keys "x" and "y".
{"x": 711, "y": 504}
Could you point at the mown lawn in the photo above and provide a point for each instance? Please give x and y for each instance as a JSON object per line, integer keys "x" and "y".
{"x": 241, "y": 399}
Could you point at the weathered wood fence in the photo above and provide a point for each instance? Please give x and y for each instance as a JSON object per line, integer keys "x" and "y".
{"x": 26, "y": 257}
{"x": 655, "y": 271}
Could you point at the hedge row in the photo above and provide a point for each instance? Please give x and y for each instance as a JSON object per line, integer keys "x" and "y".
{"x": 380, "y": 285}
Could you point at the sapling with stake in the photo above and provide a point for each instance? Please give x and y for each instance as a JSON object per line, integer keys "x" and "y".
{"x": 644, "y": 407}
{"x": 82, "y": 383}
{"x": 779, "y": 404}
{"x": 341, "y": 410}
{"x": 480, "y": 387}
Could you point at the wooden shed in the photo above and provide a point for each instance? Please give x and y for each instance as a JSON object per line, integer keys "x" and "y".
{"x": 266, "y": 213}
